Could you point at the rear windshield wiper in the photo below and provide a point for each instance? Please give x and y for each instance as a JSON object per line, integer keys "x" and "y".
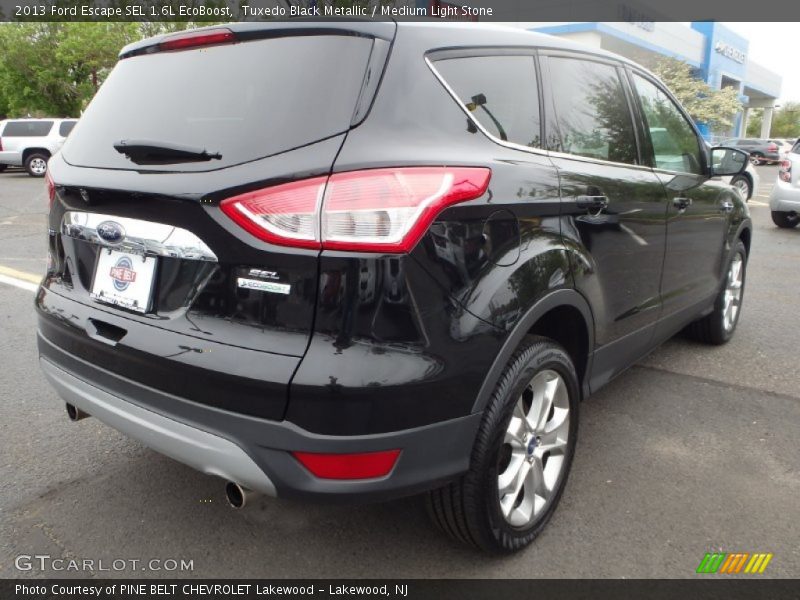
{"x": 146, "y": 152}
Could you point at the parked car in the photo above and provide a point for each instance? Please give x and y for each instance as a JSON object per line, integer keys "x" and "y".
{"x": 746, "y": 183}
{"x": 761, "y": 151}
{"x": 372, "y": 269}
{"x": 30, "y": 143}
{"x": 784, "y": 200}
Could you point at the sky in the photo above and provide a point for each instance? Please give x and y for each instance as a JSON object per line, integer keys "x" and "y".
{"x": 771, "y": 46}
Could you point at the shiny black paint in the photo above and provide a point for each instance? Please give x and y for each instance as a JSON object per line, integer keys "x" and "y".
{"x": 369, "y": 344}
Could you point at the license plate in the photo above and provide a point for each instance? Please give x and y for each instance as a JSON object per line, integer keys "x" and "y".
{"x": 124, "y": 279}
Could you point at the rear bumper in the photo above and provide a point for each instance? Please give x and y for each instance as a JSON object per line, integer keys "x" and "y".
{"x": 251, "y": 451}
{"x": 784, "y": 198}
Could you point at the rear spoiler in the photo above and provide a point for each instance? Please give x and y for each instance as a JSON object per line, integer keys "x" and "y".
{"x": 242, "y": 32}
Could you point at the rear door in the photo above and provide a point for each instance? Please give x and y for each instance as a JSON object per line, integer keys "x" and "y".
{"x": 613, "y": 204}
{"x": 697, "y": 209}
{"x": 143, "y": 237}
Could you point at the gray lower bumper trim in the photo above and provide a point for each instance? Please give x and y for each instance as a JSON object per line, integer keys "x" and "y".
{"x": 204, "y": 451}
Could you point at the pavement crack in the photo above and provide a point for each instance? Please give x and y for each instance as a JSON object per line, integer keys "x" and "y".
{"x": 720, "y": 383}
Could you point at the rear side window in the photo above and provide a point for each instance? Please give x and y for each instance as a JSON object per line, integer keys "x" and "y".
{"x": 500, "y": 92}
{"x": 27, "y": 128}
{"x": 65, "y": 128}
{"x": 592, "y": 116}
{"x": 244, "y": 101}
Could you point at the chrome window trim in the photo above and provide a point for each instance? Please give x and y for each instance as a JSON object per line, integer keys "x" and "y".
{"x": 512, "y": 145}
{"x": 140, "y": 237}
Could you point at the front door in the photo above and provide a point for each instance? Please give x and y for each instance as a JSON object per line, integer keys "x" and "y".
{"x": 698, "y": 214}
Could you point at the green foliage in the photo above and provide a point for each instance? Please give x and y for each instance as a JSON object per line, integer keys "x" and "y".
{"x": 701, "y": 101}
{"x": 53, "y": 69}
{"x": 785, "y": 121}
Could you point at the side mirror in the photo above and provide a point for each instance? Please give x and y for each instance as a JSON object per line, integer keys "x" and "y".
{"x": 727, "y": 162}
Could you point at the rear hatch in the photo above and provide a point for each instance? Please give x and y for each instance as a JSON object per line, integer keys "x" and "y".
{"x": 136, "y": 231}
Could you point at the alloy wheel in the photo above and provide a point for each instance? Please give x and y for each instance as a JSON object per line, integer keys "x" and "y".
{"x": 534, "y": 449}
{"x": 732, "y": 298}
{"x": 743, "y": 187}
{"x": 39, "y": 166}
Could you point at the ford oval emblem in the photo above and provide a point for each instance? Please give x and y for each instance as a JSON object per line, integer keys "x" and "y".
{"x": 110, "y": 232}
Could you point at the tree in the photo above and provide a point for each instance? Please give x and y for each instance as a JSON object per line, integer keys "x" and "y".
{"x": 54, "y": 68}
{"x": 717, "y": 108}
{"x": 785, "y": 121}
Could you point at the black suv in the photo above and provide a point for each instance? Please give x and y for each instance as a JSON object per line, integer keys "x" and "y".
{"x": 365, "y": 260}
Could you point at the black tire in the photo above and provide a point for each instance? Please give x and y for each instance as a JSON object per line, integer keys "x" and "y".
{"x": 746, "y": 180}
{"x": 711, "y": 329}
{"x": 785, "y": 220}
{"x": 469, "y": 508}
{"x": 32, "y": 163}
{"x": 3, "y": 168}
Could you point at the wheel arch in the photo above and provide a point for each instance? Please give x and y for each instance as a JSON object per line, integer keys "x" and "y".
{"x": 563, "y": 315}
{"x": 28, "y": 151}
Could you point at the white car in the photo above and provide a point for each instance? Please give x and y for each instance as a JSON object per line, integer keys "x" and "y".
{"x": 30, "y": 143}
{"x": 747, "y": 183}
{"x": 784, "y": 201}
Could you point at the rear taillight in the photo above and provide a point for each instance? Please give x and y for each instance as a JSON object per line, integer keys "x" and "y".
{"x": 51, "y": 188}
{"x": 208, "y": 37}
{"x": 364, "y": 465}
{"x": 772, "y": 148}
{"x": 379, "y": 210}
{"x": 785, "y": 171}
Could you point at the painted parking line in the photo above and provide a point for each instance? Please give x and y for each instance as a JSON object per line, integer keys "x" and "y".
{"x": 757, "y": 203}
{"x": 19, "y": 279}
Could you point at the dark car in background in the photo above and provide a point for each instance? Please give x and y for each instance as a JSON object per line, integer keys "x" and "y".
{"x": 761, "y": 151}
{"x": 392, "y": 259}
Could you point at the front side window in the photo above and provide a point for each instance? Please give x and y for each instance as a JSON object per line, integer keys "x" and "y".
{"x": 500, "y": 92}
{"x": 66, "y": 127}
{"x": 592, "y": 116}
{"x": 675, "y": 145}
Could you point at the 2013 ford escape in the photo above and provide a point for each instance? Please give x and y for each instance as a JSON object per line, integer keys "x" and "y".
{"x": 363, "y": 260}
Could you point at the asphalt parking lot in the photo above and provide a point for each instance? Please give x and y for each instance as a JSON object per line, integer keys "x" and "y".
{"x": 695, "y": 449}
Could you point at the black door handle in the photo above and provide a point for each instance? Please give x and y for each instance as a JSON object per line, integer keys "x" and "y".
{"x": 592, "y": 202}
{"x": 681, "y": 203}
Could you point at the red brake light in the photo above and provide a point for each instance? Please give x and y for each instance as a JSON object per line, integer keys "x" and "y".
{"x": 785, "y": 171}
{"x": 772, "y": 147}
{"x": 366, "y": 465}
{"x": 379, "y": 210}
{"x": 51, "y": 187}
{"x": 207, "y": 37}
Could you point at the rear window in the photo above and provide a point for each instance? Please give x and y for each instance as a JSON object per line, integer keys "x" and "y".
{"x": 244, "y": 101}
{"x": 66, "y": 127}
{"x": 27, "y": 128}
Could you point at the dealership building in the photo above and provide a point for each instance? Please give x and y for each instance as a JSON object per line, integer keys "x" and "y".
{"x": 719, "y": 56}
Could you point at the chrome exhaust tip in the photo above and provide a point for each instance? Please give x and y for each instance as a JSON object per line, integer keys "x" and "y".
{"x": 75, "y": 414}
{"x": 238, "y": 496}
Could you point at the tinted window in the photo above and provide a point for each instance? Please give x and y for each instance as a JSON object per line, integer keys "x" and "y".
{"x": 65, "y": 128}
{"x": 675, "y": 144}
{"x": 592, "y": 114}
{"x": 500, "y": 92}
{"x": 27, "y": 128}
{"x": 244, "y": 101}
